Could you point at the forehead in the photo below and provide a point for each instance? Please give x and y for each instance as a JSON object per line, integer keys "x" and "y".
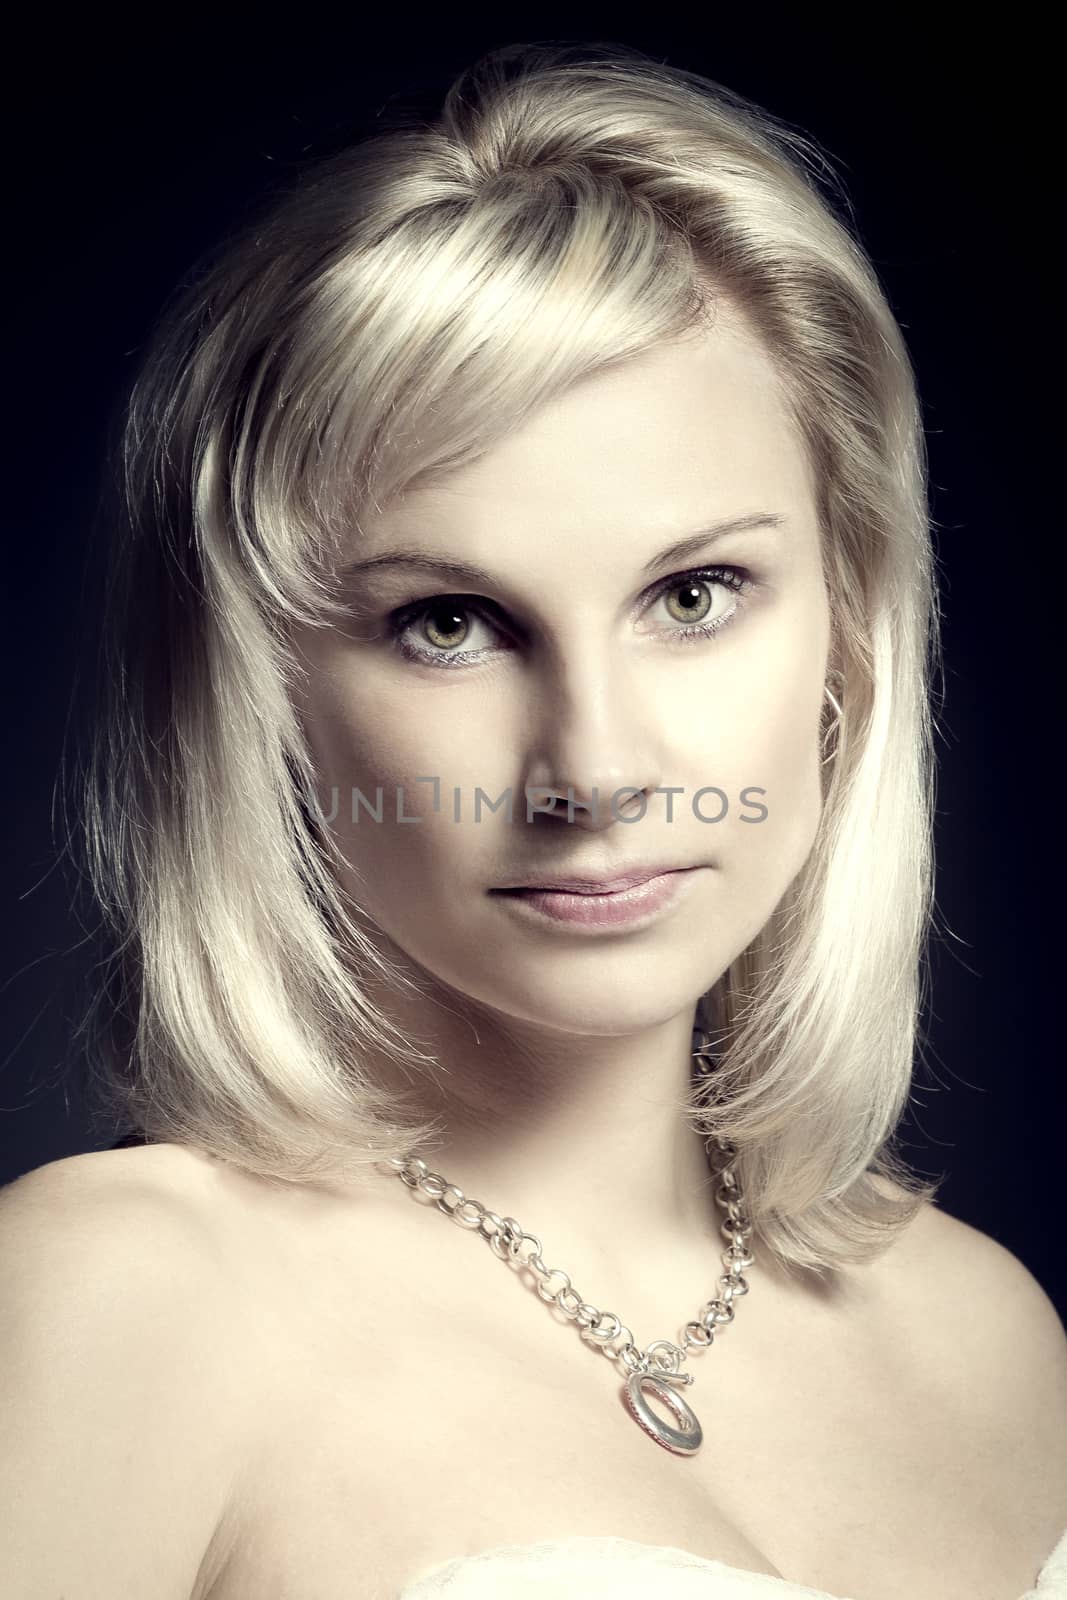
{"x": 688, "y": 431}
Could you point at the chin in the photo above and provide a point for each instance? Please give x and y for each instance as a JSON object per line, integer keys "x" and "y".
{"x": 599, "y": 1005}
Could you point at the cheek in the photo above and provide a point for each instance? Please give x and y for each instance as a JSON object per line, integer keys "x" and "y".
{"x": 782, "y": 758}
{"x": 761, "y": 747}
{"x": 372, "y": 728}
{"x": 400, "y": 835}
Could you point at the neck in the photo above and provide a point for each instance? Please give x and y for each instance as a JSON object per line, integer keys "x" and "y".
{"x": 583, "y": 1139}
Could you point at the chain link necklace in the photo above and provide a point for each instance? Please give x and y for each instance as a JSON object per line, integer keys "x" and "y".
{"x": 656, "y": 1367}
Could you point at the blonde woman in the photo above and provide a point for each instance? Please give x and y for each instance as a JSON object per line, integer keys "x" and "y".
{"x": 514, "y": 779}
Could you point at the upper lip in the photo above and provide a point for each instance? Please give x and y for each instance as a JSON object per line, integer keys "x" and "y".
{"x": 590, "y": 885}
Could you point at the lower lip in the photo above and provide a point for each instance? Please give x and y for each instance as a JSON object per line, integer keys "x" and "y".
{"x": 594, "y": 911}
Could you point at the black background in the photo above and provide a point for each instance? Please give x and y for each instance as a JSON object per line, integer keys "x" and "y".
{"x": 130, "y": 150}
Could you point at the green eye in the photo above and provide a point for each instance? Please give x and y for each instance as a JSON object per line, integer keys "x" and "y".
{"x": 695, "y": 601}
{"x": 444, "y": 626}
{"x": 443, "y": 622}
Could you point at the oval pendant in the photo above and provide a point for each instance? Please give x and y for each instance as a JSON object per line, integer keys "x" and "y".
{"x": 684, "y": 1440}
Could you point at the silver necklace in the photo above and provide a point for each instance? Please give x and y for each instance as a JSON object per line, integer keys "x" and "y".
{"x": 656, "y": 1367}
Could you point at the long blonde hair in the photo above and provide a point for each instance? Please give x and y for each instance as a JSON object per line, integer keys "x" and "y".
{"x": 383, "y": 319}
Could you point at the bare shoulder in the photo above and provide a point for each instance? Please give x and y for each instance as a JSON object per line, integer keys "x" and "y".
{"x": 114, "y": 1212}
{"x": 163, "y": 1168}
{"x": 120, "y": 1395}
{"x": 977, "y": 1282}
{"x": 169, "y": 1203}
{"x": 990, "y": 1342}
{"x": 159, "y": 1226}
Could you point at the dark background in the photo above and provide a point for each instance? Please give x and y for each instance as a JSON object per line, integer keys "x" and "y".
{"x": 129, "y": 152}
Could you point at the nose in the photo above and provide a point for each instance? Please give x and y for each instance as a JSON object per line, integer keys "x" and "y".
{"x": 594, "y": 756}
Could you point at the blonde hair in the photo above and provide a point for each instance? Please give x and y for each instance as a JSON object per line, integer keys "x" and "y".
{"x": 385, "y": 318}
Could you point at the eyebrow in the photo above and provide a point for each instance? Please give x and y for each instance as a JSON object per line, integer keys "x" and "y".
{"x": 464, "y": 571}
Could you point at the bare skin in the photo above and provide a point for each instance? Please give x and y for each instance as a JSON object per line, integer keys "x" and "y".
{"x": 365, "y": 1391}
{"x": 563, "y": 1053}
{"x": 408, "y": 1399}
{"x": 423, "y": 1404}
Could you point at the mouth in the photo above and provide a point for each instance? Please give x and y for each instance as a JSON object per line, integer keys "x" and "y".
{"x": 598, "y": 886}
{"x": 586, "y": 906}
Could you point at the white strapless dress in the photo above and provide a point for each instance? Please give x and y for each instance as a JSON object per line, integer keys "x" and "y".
{"x": 591, "y": 1564}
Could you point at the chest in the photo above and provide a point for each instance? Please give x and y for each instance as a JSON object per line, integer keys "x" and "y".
{"x": 828, "y": 1459}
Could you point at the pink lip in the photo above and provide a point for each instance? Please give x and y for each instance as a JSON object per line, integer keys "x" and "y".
{"x": 594, "y": 885}
{"x": 595, "y": 908}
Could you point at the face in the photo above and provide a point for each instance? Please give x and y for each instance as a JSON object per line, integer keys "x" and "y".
{"x": 586, "y": 656}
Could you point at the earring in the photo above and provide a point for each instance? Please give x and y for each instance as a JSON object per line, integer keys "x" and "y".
{"x": 703, "y": 1051}
{"x": 835, "y": 723}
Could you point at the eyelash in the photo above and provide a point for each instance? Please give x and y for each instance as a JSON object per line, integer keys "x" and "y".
{"x": 399, "y": 621}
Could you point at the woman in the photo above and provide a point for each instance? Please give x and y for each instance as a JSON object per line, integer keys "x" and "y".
{"x": 515, "y": 779}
